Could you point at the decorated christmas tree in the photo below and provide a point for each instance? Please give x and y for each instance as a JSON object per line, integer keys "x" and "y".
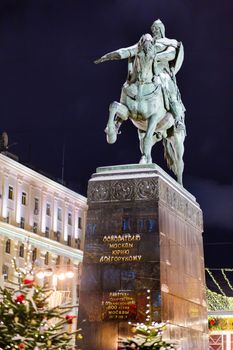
{"x": 26, "y": 320}
{"x": 146, "y": 337}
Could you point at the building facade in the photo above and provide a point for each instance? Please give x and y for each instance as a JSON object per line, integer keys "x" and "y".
{"x": 44, "y": 219}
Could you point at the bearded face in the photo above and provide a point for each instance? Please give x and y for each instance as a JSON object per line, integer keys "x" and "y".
{"x": 156, "y": 32}
{"x": 146, "y": 44}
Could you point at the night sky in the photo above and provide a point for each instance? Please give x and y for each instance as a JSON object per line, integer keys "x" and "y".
{"x": 53, "y": 99}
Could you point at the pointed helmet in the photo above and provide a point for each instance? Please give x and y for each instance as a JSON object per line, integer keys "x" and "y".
{"x": 159, "y": 24}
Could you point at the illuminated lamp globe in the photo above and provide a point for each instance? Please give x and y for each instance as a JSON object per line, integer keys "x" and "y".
{"x": 40, "y": 274}
{"x": 48, "y": 272}
{"x": 69, "y": 274}
{"x": 61, "y": 276}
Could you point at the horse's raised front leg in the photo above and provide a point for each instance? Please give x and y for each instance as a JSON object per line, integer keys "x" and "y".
{"x": 117, "y": 114}
{"x": 148, "y": 141}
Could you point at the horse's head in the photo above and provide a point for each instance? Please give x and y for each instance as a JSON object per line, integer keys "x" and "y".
{"x": 146, "y": 45}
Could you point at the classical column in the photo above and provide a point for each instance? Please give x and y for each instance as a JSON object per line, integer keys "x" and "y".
{"x": 65, "y": 221}
{"x": 42, "y": 259}
{"x": 15, "y": 253}
{"x": 2, "y": 247}
{"x": 83, "y": 230}
{"x": 43, "y": 210}
{"x": 75, "y": 222}
{"x": 55, "y": 206}
{"x": 30, "y": 205}
{"x": 18, "y": 199}
{"x": 74, "y": 295}
{"x": 53, "y": 258}
{"x": 5, "y": 194}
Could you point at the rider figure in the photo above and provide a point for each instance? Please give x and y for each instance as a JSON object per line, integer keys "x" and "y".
{"x": 168, "y": 60}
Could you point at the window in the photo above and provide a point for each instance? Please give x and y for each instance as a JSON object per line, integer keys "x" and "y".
{"x": 5, "y": 272}
{"x": 35, "y": 227}
{"x": 36, "y": 206}
{"x": 69, "y": 240}
{"x": 48, "y": 209}
{"x": 22, "y": 222}
{"x": 46, "y": 259}
{"x": 57, "y": 235}
{"x": 8, "y": 218}
{"x": 21, "y": 251}
{"x": 69, "y": 219}
{"x": 8, "y": 246}
{"x": 59, "y": 214}
{"x": 46, "y": 232}
{"x": 24, "y": 198}
{"x": 34, "y": 254}
{"x": 10, "y": 192}
{"x": 78, "y": 242}
{"x": 79, "y": 222}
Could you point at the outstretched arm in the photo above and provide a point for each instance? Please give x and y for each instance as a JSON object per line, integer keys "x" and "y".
{"x": 119, "y": 54}
{"x": 168, "y": 55}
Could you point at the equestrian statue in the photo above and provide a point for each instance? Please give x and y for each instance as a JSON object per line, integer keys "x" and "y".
{"x": 150, "y": 97}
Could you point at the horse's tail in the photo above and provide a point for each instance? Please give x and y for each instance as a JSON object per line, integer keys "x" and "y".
{"x": 170, "y": 153}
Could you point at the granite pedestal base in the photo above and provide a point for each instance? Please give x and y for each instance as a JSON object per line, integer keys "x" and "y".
{"x": 143, "y": 258}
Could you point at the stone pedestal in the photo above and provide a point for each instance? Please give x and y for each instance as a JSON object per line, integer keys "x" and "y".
{"x": 143, "y": 258}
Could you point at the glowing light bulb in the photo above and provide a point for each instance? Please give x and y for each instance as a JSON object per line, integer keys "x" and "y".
{"x": 61, "y": 276}
{"x": 69, "y": 274}
{"x": 40, "y": 275}
{"x": 48, "y": 272}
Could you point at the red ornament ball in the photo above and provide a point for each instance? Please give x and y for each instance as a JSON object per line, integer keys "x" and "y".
{"x": 20, "y": 298}
{"x": 28, "y": 282}
{"x": 69, "y": 318}
{"x": 22, "y": 346}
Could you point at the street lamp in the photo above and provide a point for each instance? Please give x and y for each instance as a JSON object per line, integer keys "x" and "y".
{"x": 57, "y": 272}
{"x": 69, "y": 274}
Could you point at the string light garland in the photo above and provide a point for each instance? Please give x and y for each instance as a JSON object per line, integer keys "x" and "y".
{"x": 148, "y": 306}
{"x": 223, "y": 272}
{"x": 216, "y": 301}
{"x": 215, "y": 282}
{"x": 226, "y": 279}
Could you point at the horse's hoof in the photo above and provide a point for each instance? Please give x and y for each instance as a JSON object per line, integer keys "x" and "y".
{"x": 111, "y": 138}
{"x": 111, "y": 134}
{"x": 143, "y": 160}
{"x": 180, "y": 182}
